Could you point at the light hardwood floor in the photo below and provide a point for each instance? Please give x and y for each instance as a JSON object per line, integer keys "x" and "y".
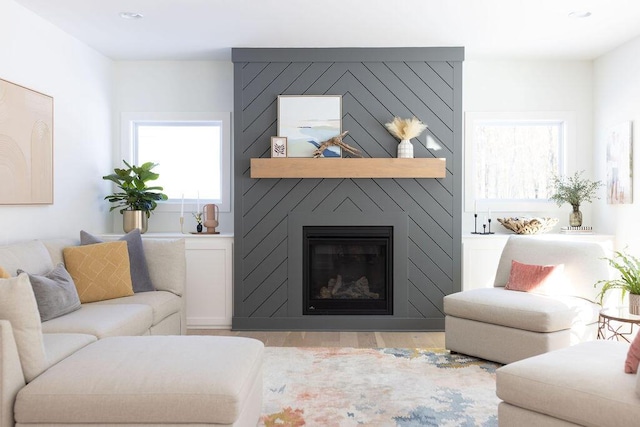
{"x": 335, "y": 339}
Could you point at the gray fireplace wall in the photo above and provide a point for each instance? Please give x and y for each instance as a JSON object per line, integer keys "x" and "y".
{"x": 376, "y": 84}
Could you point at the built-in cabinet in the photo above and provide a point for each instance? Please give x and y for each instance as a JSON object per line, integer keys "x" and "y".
{"x": 209, "y": 277}
{"x": 481, "y": 254}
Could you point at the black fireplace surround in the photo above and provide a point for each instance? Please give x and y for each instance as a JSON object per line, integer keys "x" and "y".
{"x": 347, "y": 270}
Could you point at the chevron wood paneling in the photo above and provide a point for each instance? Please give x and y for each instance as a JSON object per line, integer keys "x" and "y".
{"x": 376, "y": 85}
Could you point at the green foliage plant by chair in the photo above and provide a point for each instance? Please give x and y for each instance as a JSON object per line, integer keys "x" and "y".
{"x": 628, "y": 267}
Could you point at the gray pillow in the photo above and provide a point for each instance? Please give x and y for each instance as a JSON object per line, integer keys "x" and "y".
{"x": 140, "y": 277}
{"x": 55, "y": 293}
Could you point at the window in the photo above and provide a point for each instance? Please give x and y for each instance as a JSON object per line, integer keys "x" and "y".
{"x": 511, "y": 158}
{"x": 192, "y": 151}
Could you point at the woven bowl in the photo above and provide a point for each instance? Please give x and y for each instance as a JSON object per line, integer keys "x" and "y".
{"x": 528, "y": 225}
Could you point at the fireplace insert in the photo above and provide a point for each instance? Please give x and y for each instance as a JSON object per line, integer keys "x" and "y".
{"x": 347, "y": 270}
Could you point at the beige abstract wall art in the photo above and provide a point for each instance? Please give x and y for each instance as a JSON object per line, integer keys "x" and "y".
{"x": 26, "y": 146}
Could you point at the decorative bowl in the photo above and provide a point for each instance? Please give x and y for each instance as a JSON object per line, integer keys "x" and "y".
{"x": 528, "y": 225}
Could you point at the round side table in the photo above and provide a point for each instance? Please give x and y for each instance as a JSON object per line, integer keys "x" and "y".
{"x": 622, "y": 326}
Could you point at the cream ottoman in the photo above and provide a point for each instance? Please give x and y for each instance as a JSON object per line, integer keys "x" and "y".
{"x": 580, "y": 385}
{"x": 150, "y": 380}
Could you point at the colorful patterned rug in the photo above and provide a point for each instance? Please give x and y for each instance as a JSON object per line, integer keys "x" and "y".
{"x": 377, "y": 387}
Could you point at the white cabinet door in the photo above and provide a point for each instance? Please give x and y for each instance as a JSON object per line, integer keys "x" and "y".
{"x": 209, "y": 282}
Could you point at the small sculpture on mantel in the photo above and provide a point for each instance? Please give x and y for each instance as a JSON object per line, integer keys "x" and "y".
{"x": 336, "y": 141}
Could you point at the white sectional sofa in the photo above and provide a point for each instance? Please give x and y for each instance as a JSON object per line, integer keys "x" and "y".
{"x": 159, "y": 312}
{"x": 119, "y": 361}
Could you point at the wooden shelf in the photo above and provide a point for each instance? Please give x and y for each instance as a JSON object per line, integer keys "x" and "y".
{"x": 348, "y": 168}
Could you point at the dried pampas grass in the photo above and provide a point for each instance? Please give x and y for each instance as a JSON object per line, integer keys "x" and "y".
{"x": 405, "y": 128}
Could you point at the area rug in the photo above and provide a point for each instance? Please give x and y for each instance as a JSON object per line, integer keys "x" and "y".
{"x": 377, "y": 387}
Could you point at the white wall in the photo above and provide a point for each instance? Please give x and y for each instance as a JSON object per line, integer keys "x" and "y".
{"x": 616, "y": 100}
{"x": 171, "y": 86}
{"x": 35, "y": 54}
{"x": 529, "y": 86}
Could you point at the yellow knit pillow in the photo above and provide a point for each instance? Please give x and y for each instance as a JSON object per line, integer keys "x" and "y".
{"x": 4, "y": 274}
{"x": 100, "y": 271}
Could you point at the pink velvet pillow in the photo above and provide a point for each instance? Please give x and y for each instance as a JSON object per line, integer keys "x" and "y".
{"x": 533, "y": 278}
{"x": 633, "y": 356}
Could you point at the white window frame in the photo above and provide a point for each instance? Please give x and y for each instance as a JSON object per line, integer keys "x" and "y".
{"x": 567, "y": 158}
{"x": 128, "y": 125}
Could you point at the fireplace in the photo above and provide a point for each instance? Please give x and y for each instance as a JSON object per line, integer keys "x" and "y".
{"x": 347, "y": 270}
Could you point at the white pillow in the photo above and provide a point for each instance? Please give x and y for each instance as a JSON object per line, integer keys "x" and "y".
{"x": 167, "y": 264}
{"x": 18, "y": 306}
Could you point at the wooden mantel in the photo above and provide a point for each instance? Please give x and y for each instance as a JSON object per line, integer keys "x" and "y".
{"x": 348, "y": 168}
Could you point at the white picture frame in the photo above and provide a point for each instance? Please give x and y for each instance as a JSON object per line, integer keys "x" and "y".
{"x": 307, "y": 121}
{"x": 620, "y": 164}
{"x": 278, "y": 146}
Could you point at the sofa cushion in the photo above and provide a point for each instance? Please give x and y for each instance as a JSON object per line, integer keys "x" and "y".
{"x": 18, "y": 306}
{"x": 163, "y": 303}
{"x": 167, "y": 264}
{"x": 583, "y": 384}
{"x": 30, "y": 256}
{"x": 140, "y": 278}
{"x": 103, "y": 320}
{"x": 60, "y": 346}
{"x": 149, "y": 380}
{"x": 55, "y": 293}
{"x": 531, "y": 312}
{"x": 633, "y": 356}
{"x": 100, "y": 271}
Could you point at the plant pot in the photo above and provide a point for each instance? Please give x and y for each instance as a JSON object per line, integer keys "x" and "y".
{"x": 634, "y": 304}
{"x": 134, "y": 219}
{"x": 405, "y": 149}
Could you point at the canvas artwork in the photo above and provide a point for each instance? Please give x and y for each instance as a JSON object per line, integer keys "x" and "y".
{"x": 26, "y": 146}
{"x": 619, "y": 164}
{"x": 307, "y": 121}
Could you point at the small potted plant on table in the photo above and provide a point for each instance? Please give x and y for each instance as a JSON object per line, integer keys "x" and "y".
{"x": 628, "y": 267}
{"x": 136, "y": 200}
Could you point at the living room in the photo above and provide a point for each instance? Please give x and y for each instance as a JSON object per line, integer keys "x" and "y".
{"x": 91, "y": 90}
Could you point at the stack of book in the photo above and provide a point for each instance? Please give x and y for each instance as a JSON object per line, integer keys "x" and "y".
{"x": 577, "y": 230}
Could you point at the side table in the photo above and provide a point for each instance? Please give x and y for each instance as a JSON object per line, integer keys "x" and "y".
{"x": 622, "y": 326}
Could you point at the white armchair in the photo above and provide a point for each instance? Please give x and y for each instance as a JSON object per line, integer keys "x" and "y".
{"x": 505, "y": 326}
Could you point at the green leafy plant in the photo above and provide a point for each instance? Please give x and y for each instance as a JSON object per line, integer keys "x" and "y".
{"x": 629, "y": 281}
{"x": 574, "y": 189}
{"x": 135, "y": 194}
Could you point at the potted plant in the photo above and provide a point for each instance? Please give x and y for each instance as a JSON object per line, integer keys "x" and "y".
{"x": 136, "y": 200}
{"x": 629, "y": 281}
{"x": 574, "y": 190}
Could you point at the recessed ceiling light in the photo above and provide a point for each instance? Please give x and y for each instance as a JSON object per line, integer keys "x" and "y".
{"x": 131, "y": 15}
{"x": 580, "y": 14}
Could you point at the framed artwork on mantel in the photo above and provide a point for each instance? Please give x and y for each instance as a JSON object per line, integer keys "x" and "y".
{"x": 26, "y": 144}
{"x": 620, "y": 164}
{"x": 307, "y": 121}
{"x": 278, "y": 146}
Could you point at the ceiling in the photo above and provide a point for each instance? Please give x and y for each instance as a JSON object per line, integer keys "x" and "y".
{"x": 208, "y": 29}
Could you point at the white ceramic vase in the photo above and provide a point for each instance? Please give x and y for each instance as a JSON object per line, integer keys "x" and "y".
{"x": 405, "y": 149}
{"x": 634, "y": 304}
